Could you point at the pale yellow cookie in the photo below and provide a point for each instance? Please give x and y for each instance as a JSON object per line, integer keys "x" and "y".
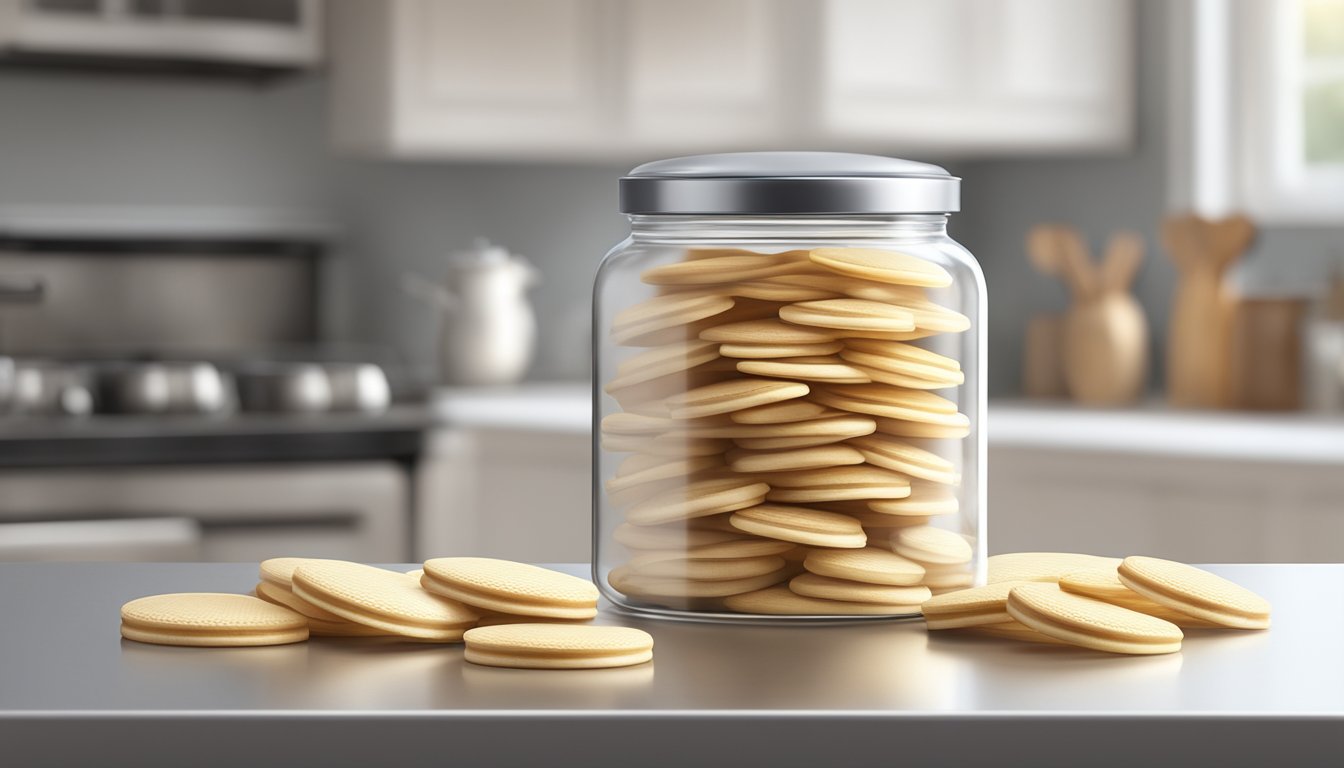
{"x": 890, "y": 402}
{"x": 1043, "y": 566}
{"x": 740, "y": 460}
{"x": 742, "y": 546}
{"x": 969, "y": 607}
{"x": 718, "y": 269}
{"x": 764, "y": 290}
{"x": 953, "y": 427}
{"x": 663, "y": 361}
{"x": 782, "y": 601}
{"x": 665, "y": 446}
{"x": 801, "y": 525}
{"x": 1013, "y": 630}
{"x": 698, "y": 499}
{"x": 945, "y": 578}
{"x": 870, "y": 565}
{"x": 627, "y": 582}
{"x": 926, "y": 544}
{"x": 642, "y": 324}
{"x": 810, "y": 434}
{"x": 1195, "y": 592}
{"x": 779, "y": 351}
{"x": 841, "y": 426}
{"x": 907, "y": 360}
{"x": 883, "y": 524}
{"x": 826, "y": 280}
{"x": 658, "y": 566}
{"x": 849, "y": 315}
{"x": 784, "y": 413}
{"x": 673, "y": 536}
{"x": 768, "y": 331}
{"x": 900, "y": 456}
{"x": 862, "y": 481}
{"x": 634, "y": 424}
{"x": 900, "y": 599}
{"x": 925, "y": 499}
{"x": 382, "y": 599}
{"x": 732, "y": 395}
{"x": 557, "y": 646}
{"x": 278, "y": 595}
{"x": 882, "y": 266}
{"x": 935, "y": 317}
{"x": 280, "y": 570}
{"x": 503, "y": 586}
{"x": 1090, "y": 623}
{"x": 645, "y": 468}
{"x": 1105, "y": 585}
{"x": 831, "y": 369}
{"x": 210, "y": 619}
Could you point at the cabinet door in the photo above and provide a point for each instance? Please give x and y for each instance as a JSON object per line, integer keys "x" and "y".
{"x": 704, "y": 73}
{"x": 521, "y": 76}
{"x": 977, "y": 74}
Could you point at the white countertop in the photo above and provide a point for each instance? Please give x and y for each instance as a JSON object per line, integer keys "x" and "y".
{"x": 541, "y": 406}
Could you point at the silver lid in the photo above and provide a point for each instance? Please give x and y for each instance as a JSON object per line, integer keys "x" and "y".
{"x": 799, "y": 183}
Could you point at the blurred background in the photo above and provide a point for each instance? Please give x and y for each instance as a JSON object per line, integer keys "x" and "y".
{"x": 241, "y": 241}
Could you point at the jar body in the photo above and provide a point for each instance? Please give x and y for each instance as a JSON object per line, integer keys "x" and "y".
{"x": 787, "y": 417}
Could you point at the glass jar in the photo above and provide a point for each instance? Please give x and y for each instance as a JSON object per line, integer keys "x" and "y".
{"x": 788, "y": 389}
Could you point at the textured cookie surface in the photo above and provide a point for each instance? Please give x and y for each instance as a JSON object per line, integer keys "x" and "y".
{"x": 801, "y": 525}
{"x": 870, "y": 564}
{"x": 1105, "y": 585}
{"x": 1043, "y": 566}
{"x": 970, "y": 607}
{"x": 827, "y": 588}
{"x": 1090, "y": 623}
{"x": 1195, "y": 592}
{"x": 882, "y": 266}
{"x": 782, "y": 601}
{"x": 382, "y": 599}
{"x": 508, "y": 587}
{"x": 210, "y": 619}
{"x": 927, "y": 544}
{"x": 280, "y": 570}
{"x": 557, "y": 646}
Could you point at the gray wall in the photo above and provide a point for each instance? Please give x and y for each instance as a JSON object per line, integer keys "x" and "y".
{"x": 126, "y": 140}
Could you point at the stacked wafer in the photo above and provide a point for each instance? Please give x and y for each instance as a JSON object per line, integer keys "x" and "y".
{"x": 778, "y": 439}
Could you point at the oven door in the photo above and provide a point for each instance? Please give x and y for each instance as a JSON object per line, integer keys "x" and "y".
{"x": 355, "y": 510}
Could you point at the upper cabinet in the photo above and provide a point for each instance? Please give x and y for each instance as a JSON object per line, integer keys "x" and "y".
{"x": 623, "y": 79}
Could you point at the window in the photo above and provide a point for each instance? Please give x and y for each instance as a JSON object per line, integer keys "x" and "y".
{"x": 1258, "y": 109}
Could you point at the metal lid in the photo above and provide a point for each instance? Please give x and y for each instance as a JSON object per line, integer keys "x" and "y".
{"x": 789, "y": 183}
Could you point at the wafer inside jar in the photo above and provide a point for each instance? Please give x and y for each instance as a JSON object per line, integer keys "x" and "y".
{"x": 788, "y": 388}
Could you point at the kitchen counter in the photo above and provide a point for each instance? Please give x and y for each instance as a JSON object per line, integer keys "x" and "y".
{"x": 73, "y": 692}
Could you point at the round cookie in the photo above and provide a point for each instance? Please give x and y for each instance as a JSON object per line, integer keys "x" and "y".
{"x": 925, "y": 499}
{"x": 826, "y": 369}
{"x": 1013, "y": 630}
{"x": 210, "y": 619}
{"x": 926, "y": 544}
{"x": 1195, "y": 592}
{"x": 1105, "y": 585}
{"x": 946, "y": 578}
{"x": 840, "y": 426}
{"x": 1090, "y": 623}
{"x": 641, "y": 324}
{"x": 882, "y": 266}
{"x": 900, "y": 456}
{"x": 280, "y": 570}
{"x": 898, "y": 358}
{"x": 935, "y": 317}
{"x": 557, "y": 646}
{"x": 801, "y": 525}
{"x": 502, "y": 586}
{"x": 673, "y": 536}
{"x": 666, "y": 360}
{"x": 732, "y": 395}
{"x": 662, "y": 445}
{"x": 623, "y": 580}
{"x": 698, "y": 498}
{"x": 784, "y": 413}
{"x": 782, "y": 601}
{"x": 661, "y": 567}
{"x": 741, "y": 546}
{"x": 767, "y": 331}
{"x": 382, "y": 599}
{"x": 862, "y": 481}
{"x": 622, "y": 423}
{"x": 890, "y": 402}
{"x": 1043, "y": 566}
{"x": 970, "y": 607}
{"x": 826, "y": 280}
{"x": 646, "y": 468}
{"x": 870, "y": 565}
{"x": 718, "y": 269}
{"x": 953, "y": 427}
{"x": 740, "y": 460}
{"x": 849, "y": 315}
{"x": 775, "y": 351}
{"x": 900, "y": 599}
{"x": 765, "y": 290}
{"x": 280, "y": 596}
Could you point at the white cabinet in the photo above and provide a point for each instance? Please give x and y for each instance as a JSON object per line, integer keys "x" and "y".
{"x": 978, "y": 75}
{"x": 618, "y": 79}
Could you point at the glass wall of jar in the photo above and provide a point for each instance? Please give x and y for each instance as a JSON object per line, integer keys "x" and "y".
{"x": 788, "y": 390}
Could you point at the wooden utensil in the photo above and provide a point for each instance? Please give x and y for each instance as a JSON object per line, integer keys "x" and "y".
{"x": 1043, "y": 357}
{"x": 1266, "y": 354}
{"x": 1103, "y": 353}
{"x": 1198, "y": 343}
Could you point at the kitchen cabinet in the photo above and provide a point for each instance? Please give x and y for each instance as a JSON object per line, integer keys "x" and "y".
{"x": 601, "y": 79}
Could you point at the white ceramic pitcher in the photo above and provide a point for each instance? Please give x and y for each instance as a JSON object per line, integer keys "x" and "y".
{"x": 488, "y": 329}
